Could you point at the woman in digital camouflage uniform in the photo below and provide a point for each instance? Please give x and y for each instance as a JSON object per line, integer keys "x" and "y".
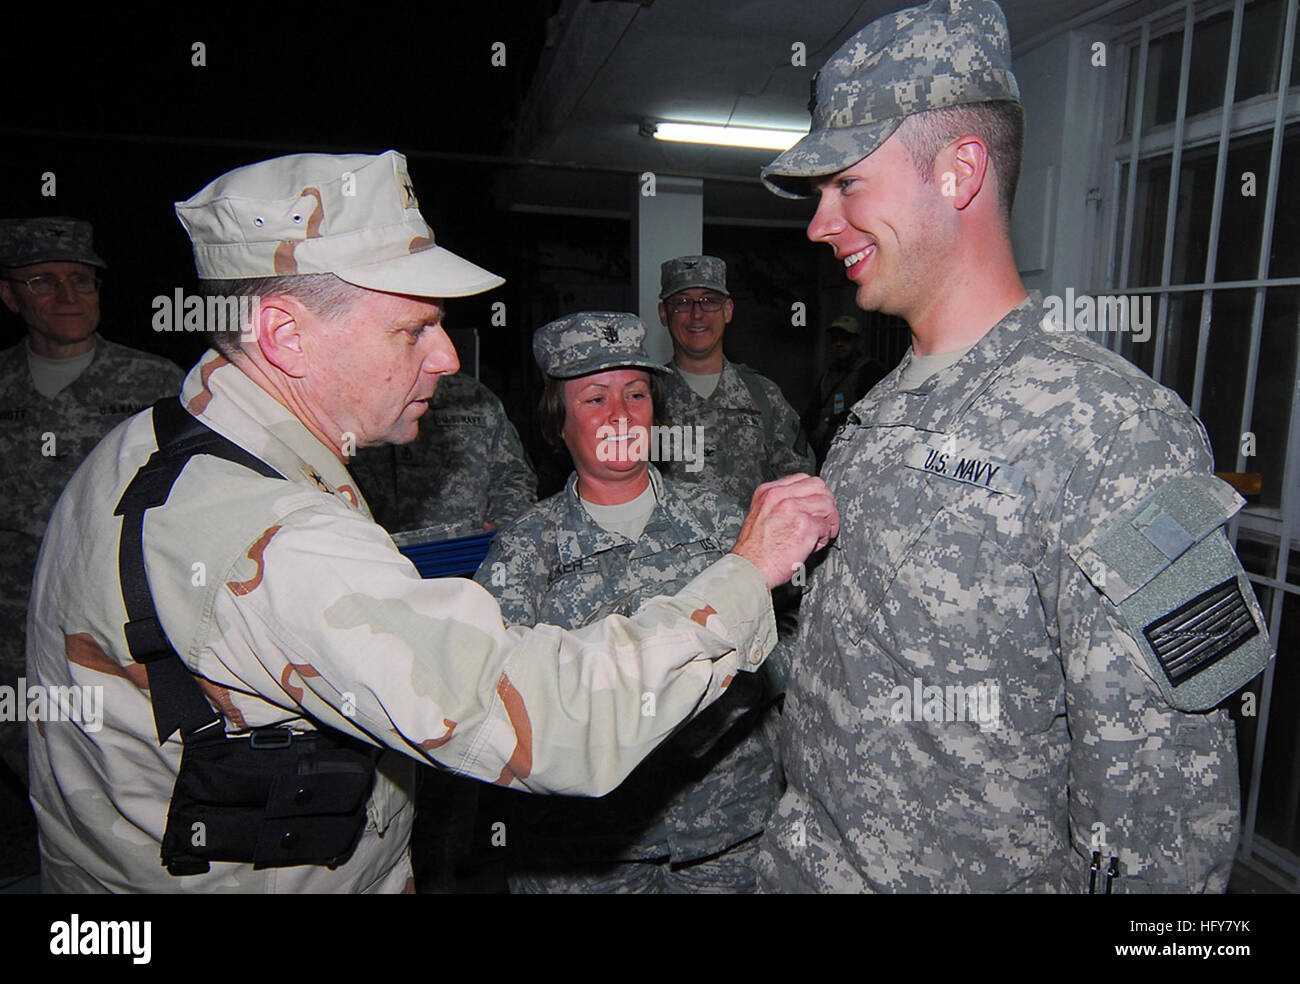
{"x": 687, "y": 820}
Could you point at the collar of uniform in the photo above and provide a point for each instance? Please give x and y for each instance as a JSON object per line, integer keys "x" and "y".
{"x": 220, "y": 395}
{"x": 673, "y": 523}
{"x": 15, "y": 359}
{"x": 730, "y": 386}
{"x": 581, "y": 536}
{"x": 946, "y": 395}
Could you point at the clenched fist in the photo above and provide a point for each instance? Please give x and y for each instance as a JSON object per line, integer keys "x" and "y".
{"x": 788, "y": 519}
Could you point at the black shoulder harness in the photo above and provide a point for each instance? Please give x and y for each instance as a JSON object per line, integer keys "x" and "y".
{"x": 177, "y": 700}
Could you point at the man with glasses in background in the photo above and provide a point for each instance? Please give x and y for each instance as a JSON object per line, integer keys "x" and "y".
{"x": 61, "y": 389}
{"x": 751, "y": 433}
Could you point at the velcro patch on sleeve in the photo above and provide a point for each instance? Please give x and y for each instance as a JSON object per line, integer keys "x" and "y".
{"x": 1167, "y": 567}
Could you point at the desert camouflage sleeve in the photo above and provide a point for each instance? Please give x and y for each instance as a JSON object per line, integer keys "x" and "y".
{"x": 325, "y": 615}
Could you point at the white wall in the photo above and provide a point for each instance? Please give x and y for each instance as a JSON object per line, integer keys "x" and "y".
{"x": 1055, "y": 226}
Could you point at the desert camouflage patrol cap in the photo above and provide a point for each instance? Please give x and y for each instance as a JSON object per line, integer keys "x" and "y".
{"x": 946, "y": 53}
{"x": 685, "y": 272}
{"x": 57, "y": 239}
{"x": 592, "y": 341}
{"x": 352, "y": 215}
{"x": 847, "y": 324}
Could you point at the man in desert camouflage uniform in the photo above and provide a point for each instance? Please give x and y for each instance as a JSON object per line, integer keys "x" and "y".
{"x": 1009, "y": 661}
{"x": 61, "y": 389}
{"x": 751, "y": 433}
{"x": 293, "y": 608}
{"x": 466, "y": 471}
{"x": 687, "y": 819}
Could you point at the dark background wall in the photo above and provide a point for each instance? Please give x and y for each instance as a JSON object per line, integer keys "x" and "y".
{"x": 127, "y": 124}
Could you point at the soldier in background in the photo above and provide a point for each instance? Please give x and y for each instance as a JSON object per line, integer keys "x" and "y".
{"x": 61, "y": 389}
{"x": 1010, "y": 659}
{"x": 688, "y": 818}
{"x": 751, "y": 433}
{"x": 466, "y": 470}
{"x": 847, "y": 379}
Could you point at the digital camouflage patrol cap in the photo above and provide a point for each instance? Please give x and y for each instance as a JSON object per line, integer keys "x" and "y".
{"x": 592, "y": 341}
{"x": 57, "y": 239}
{"x": 947, "y": 53}
{"x": 352, "y": 215}
{"x": 685, "y": 272}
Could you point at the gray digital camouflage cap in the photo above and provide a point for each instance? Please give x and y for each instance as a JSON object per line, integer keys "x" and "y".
{"x": 592, "y": 341}
{"x": 352, "y": 215}
{"x": 57, "y": 239}
{"x": 947, "y": 53}
{"x": 685, "y": 272}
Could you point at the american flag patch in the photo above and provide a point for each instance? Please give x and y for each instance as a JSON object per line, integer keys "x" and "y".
{"x": 1199, "y": 633}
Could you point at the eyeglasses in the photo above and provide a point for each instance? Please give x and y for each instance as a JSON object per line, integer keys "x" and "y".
{"x": 46, "y": 285}
{"x": 710, "y": 303}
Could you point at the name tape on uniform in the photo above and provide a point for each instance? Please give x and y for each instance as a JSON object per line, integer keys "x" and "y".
{"x": 966, "y": 466}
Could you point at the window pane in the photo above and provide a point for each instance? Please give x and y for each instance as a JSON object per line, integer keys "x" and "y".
{"x": 1261, "y": 48}
{"x": 1242, "y": 221}
{"x": 1209, "y": 71}
{"x": 1152, "y": 202}
{"x": 1163, "y": 62}
{"x": 1279, "y": 786}
{"x": 1295, "y": 56}
{"x": 1181, "y": 331}
{"x": 1274, "y": 384}
{"x": 1160, "y": 101}
{"x": 1284, "y": 259}
{"x": 1141, "y": 353}
{"x": 1225, "y": 374}
{"x": 1192, "y": 224}
{"x": 1244, "y": 711}
{"x": 1244, "y": 191}
{"x": 1237, "y": 706}
{"x": 1258, "y": 555}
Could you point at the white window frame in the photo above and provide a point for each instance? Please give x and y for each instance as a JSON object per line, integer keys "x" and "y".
{"x": 1268, "y": 113}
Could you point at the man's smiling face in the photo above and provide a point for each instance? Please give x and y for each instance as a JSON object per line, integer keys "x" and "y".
{"x": 696, "y": 333}
{"x": 882, "y": 219}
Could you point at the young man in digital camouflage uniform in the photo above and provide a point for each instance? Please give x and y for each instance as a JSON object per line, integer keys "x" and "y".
{"x": 61, "y": 389}
{"x": 1009, "y": 663}
{"x": 294, "y": 608}
{"x": 751, "y": 433}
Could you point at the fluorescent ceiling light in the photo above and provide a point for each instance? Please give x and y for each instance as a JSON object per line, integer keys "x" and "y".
{"x": 765, "y": 138}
